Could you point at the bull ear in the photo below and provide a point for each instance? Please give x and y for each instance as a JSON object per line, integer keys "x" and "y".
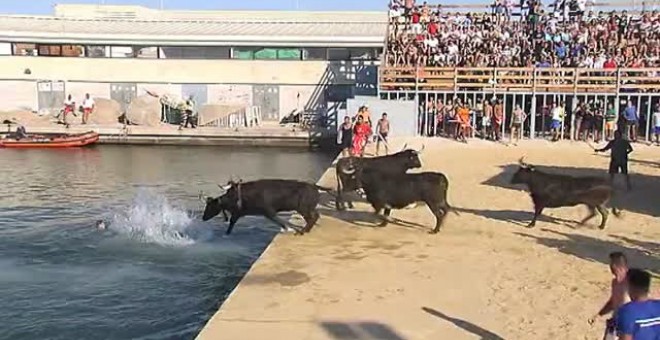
{"x": 209, "y": 199}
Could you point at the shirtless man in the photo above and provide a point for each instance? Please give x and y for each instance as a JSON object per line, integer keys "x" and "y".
{"x": 618, "y": 295}
{"x": 382, "y": 130}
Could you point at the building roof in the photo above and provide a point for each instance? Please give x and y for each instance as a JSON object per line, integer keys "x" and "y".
{"x": 135, "y": 25}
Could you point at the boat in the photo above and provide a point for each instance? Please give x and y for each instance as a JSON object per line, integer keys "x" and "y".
{"x": 55, "y": 141}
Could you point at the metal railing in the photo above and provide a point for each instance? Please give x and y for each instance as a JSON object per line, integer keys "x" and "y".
{"x": 530, "y": 80}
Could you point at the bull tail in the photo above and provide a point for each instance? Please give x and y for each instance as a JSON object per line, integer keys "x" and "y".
{"x": 450, "y": 208}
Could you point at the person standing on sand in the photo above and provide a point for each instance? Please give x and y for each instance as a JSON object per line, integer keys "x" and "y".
{"x": 345, "y": 136}
{"x": 639, "y": 319}
{"x": 382, "y": 130}
{"x": 361, "y": 133}
{"x": 88, "y": 106}
{"x": 618, "y": 294}
{"x": 517, "y": 120}
{"x": 619, "y": 156}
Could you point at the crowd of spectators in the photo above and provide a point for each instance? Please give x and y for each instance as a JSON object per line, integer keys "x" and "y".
{"x": 522, "y": 34}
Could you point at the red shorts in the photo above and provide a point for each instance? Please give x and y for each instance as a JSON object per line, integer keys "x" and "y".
{"x": 87, "y": 110}
{"x": 68, "y": 109}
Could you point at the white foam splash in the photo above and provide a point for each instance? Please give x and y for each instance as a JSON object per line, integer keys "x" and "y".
{"x": 152, "y": 219}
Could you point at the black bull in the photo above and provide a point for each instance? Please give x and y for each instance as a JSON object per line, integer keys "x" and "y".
{"x": 347, "y": 168}
{"x": 396, "y": 191}
{"x": 553, "y": 191}
{"x": 266, "y": 198}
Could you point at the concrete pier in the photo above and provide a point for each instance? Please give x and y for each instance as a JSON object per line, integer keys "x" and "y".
{"x": 274, "y": 135}
{"x": 484, "y": 276}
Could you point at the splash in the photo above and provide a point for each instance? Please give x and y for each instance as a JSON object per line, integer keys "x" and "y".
{"x": 152, "y": 219}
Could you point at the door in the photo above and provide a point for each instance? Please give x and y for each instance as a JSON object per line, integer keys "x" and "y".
{"x": 50, "y": 96}
{"x": 123, "y": 93}
{"x": 267, "y": 97}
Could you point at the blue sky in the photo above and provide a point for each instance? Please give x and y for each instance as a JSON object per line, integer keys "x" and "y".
{"x": 46, "y": 6}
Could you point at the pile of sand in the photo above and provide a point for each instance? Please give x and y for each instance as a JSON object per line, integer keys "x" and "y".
{"x": 107, "y": 111}
{"x": 24, "y": 117}
{"x": 144, "y": 110}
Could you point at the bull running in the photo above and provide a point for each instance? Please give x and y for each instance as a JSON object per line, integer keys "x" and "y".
{"x": 553, "y": 191}
{"x": 394, "y": 164}
{"x": 266, "y": 198}
{"x": 387, "y": 185}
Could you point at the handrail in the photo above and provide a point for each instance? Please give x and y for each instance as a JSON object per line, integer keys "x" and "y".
{"x": 534, "y": 79}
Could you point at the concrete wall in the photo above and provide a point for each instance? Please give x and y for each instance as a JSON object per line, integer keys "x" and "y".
{"x": 402, "y": 114}
{"x": 297, "y": 86}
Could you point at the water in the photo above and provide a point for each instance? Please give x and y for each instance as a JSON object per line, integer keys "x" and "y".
{"x": 159, "y": 272}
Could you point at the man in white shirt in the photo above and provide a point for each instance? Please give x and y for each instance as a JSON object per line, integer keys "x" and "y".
{"x": 88, "y": 107}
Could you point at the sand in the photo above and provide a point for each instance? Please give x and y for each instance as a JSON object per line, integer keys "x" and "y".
{"x": 484, "y": 276}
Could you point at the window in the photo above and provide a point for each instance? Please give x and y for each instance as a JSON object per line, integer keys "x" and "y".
{"x": 338, "y": 54}
{"x": 148, "y": 52}
{"x": 367, "y": 53}
{"x": 96, "y": 51}
{"x": 194, "y": 52}
{"x": 315, "y": 53}
{"x": 265, "y": 53}
{"x": 121, "y": 51}
{"x": 5, "y": 49}
{"x": 243, "y": 53}
{"x": 49, "y": 50}
{"x": 72, "y": 51}
{"x": 25, "y": 49}
{"x": 289, "y": 54}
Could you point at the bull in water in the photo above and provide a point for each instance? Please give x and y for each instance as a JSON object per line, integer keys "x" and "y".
{"x": 349, "y": 168}
{"x": 266, "y": 198}
{"x": 554, "y": 190}
{"x": 387, "y": 191}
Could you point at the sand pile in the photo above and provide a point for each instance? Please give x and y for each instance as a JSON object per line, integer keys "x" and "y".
{"x": 107, "y": 111}
{"x": 144, "y": 110}
{"x": 26, "y": 118}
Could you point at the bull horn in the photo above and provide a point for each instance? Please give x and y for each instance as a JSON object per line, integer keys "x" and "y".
{"x": 224, "y": 187}
{"x": 521, "y": 161}
{"x": 348, "y": 172}
{"x": 404, "y": 147}
{"x": 422, "y": 149}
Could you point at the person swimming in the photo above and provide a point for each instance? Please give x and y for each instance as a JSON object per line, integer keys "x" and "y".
{"x": 101, "y": 225}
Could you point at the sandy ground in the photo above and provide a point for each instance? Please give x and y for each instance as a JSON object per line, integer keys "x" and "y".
{"x": 484, "y": 276}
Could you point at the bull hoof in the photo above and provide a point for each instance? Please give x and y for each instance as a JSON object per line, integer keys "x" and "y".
{"x": 433, "y": 232}
{"x": 601, "y": 227}
{"x": 382, "y": 224}
{"x": 350, "y": 205}
{"x": 531, "y": 225}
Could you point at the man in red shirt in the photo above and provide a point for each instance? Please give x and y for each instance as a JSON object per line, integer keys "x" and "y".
{"x": 433, "y": 28}
{"x": 610, "y": 63}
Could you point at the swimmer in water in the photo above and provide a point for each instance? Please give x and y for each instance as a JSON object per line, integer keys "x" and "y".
{"x": 100, "y": 225}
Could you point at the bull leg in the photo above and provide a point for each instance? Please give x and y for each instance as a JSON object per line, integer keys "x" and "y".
{"x": 439, "y": 218}
{"x": 537, "y": 212}
{"x": 310, "y": 218}
{"x": 273, "y": 217}
{"x": 592, "y": 213}
{"x": 232, "y": 222}
{"x": 384, "y": 217}
{"x": 604, "y": 214}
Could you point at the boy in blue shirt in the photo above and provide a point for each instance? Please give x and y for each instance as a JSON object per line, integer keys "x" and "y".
{"x": 639, "y": 319}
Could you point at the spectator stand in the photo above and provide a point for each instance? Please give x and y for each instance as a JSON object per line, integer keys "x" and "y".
{"x": 419, "y": 75}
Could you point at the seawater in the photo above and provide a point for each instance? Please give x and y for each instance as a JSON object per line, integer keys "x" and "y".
{"x": 159, "y": 272}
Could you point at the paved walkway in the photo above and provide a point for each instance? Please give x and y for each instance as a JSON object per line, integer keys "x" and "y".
{"x": 484, "y": 276}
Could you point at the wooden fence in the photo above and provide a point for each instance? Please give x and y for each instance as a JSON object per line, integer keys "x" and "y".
{"x": 529, "y": 80}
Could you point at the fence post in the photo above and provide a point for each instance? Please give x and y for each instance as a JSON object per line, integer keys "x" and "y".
{"x": 532, "y": 113}
{"x": 617, "y": 107}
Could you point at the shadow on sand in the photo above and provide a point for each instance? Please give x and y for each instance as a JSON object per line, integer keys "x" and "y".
{"x": 643, "y": 199}
{"x": 364, "y": 330}
{"x": 465, "y": 325}
{"x": 362, "y": 218}
{"x": 521, "y": 218}
{"x": 597, "y": 250}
